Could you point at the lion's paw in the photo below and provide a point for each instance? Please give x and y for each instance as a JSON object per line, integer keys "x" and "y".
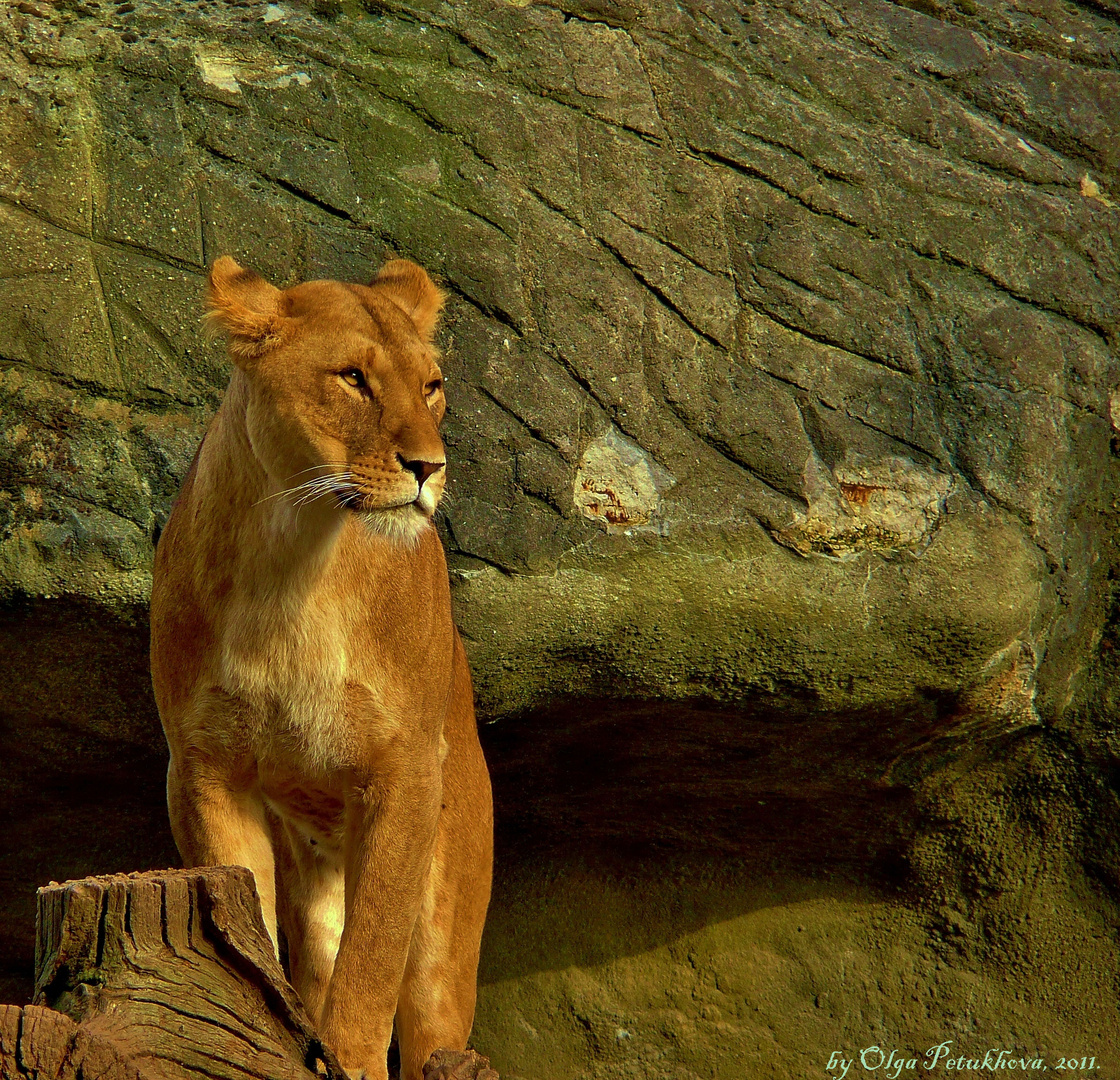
{"x": 361, "y": 1073}
{"x": 458, "y": 1065}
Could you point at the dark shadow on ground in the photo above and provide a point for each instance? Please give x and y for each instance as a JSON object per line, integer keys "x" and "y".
{"x": 707, "y": 811}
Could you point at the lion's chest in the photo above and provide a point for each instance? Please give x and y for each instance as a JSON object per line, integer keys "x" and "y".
{"x": 304, "y": 676}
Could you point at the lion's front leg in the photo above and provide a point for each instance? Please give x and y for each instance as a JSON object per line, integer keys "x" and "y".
{"x": 217, "y": 821}
{"x": 436, "y": 1006}
{"x": 311, "y": 906}
{"x": 391, "y": 825}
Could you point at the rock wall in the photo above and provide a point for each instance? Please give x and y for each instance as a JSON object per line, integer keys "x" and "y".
{"x": 787, "y": 329}
{"x": 783, "y": 358}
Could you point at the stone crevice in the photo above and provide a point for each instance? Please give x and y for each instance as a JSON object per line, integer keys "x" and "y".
{"x": 494, "y": 312}
{"x": 427, "y": 119}
{"x": 665, "y": 243}
{"x": 307, "y": 197}
{"x": 1029, "y": 527}
{"x": 43, "y": 217}
{"x": 940, "y": 255}
{"x": 819, "y": 338}
{"x": 543, "y": 199}
{"x": 1099, "y": 8}
{"x": 735, "y": 460}
{"x": 615, "y": 125}
{"x": 472, "y": 212}
{"x": 158, "y": 338}
{"x": 1102, "y": 330}
{"x": 534, "y": 431}
{"x": 667, "y": 128}
{"x": 587, "y": 388}
{"x": 286, "y": 185}
{"x": 658, "y": 294}
{"x": 99, "y": 241}
{"x": 571, "y": 15}
{"x": 455, "y": 545}
{"x": 1060, "y": 144}
{"x": 165, "y": 402}
{"x": 467, "y": 42}
{"x": 753, "y": 172}
{"x": 921, "y": 455}
{"x": 1029, "y": 391}
{"x": 105, "y": 504}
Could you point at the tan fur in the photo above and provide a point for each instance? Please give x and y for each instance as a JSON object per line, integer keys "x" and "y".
{"x": 311, "y": 683}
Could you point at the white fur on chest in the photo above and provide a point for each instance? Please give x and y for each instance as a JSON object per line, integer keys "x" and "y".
{"x": 290, "y": 663}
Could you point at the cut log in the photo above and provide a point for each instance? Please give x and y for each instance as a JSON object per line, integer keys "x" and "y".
{"x": 40, "y": 1044}
{"x": 175, "y": 973}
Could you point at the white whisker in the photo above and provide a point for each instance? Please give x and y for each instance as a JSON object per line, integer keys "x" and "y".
{"x": 313, "y": 488}
{"x": 318, "y": 486}
{"x": 302, "y": 485}
{"x": 325, "y": 465}
{"x": 274, "y": 495}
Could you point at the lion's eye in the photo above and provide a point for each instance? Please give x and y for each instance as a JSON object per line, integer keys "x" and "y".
{"x": 433, "y": 388}
{"x": 353, "y": 377}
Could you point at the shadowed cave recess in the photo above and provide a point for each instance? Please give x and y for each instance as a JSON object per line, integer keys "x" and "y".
{"x": 674, "y": 880}
{"x": 781, "y": 349}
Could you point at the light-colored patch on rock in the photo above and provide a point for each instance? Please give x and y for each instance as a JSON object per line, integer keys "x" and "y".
{"x": 219, "y": 72}
{"x": 886, "y": 505}
{"x": 285, "y": 78}
{"x": 620, "y": 485}
{"x": 1005, "y": 692}
{"x": 230, "y": 73}
{"x": 425, "y": 175}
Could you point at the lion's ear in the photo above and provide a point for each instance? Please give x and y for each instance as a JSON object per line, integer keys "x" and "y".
{"x": 410, "y": 288}
{"x": 247, "y": 307}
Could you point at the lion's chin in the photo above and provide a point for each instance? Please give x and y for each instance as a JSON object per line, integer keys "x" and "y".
{"x": 400, "y": 524}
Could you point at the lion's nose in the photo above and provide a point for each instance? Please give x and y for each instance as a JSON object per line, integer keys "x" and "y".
{"x": 421, "y": 469}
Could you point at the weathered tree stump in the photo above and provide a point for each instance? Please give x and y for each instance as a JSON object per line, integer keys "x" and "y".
{"x": 175, "y": 973}
{"x": 37, "y": 1043}
{"x": 168, "y": 975}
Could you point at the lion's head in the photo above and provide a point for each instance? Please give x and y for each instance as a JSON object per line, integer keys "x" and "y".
{"x": 345, "y": 395}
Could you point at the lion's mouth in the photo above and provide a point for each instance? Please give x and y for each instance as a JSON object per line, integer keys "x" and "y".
{"x": 357, "y": 502}
{"x": 403, "y": 522}
{"x": 350, "y": 500}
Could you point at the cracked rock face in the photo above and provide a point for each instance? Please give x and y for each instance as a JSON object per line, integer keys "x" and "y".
{"x": 782, "y": 363}
{"x": 795, "y": 320}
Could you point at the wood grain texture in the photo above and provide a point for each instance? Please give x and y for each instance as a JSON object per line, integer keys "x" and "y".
{"x": 40, "y": 1044}
{"x": 173, "y": 969}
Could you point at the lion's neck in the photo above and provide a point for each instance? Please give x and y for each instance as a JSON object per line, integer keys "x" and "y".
{"x": 275, "y": 547}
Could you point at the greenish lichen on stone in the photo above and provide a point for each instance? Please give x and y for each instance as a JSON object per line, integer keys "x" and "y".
{"x": 646, "y": 230}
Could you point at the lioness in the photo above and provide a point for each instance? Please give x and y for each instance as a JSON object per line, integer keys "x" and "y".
{"x": 311, "y": 683}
